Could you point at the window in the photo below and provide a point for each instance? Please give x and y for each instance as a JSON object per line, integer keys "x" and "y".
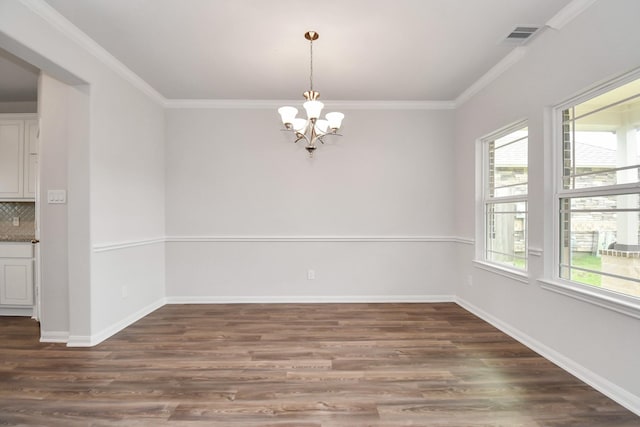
{"x": 505, "y": 173}
{"x": 599, "y": 191}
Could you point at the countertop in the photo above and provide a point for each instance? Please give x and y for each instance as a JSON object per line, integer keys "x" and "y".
{"x": 16, "y": 239}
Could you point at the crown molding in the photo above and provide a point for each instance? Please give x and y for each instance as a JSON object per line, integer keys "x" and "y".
{"x": 62, "y": 24}
{"x": 226, "y": 104}
{"x": 274, "y": 104}
{"x": 503, "y": 65}
{"x": 568, "y": 13}
{"x": 557, "y": 22}
{"x": 392, "y": 105}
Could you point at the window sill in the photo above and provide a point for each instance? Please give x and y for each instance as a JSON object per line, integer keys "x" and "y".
{"x": 520, "y": 276}
{"x": 600, "y": 297}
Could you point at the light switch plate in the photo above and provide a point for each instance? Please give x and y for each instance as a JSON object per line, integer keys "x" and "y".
{"x": 56, "y": 196}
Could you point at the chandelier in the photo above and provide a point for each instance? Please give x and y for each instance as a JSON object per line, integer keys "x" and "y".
{"x": 312, "y": 129}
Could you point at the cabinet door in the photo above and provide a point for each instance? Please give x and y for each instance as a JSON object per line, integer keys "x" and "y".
{"x": 11, "y": 158}
{"x": 16, "y": 281}
{"x": 31, "y": 158}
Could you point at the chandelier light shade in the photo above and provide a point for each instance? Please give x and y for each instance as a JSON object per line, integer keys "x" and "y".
{"x": 312, "y": 129}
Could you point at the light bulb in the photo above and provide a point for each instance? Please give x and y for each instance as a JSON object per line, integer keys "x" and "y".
{"x": 313, "y": 108}
{"x": 322, "y": 126}
{"x": 300, "y": 125}
{"x": 335, "y": 120}
{"x": 288, "y": 115}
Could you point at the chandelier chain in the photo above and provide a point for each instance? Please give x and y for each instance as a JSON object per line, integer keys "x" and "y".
{"x": 311, "y": 65}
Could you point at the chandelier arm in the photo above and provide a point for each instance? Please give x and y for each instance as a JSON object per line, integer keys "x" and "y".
{"x": 315, "y": 135}
{"x": 301, "y": 137}
{"x": 320, "y": 137}
{"x": 329, "y": 132}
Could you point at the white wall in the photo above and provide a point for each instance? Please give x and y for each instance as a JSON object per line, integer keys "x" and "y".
{"x": 127, "y": 206}
{"x": 121, "y": 165}
{"x": 599, "y": 345}
{"x": 53, "y": 103}
{"x": 233, "y": 174}
{"x": 64, "y": 228}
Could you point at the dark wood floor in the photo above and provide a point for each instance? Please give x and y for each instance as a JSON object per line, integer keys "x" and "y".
{"x": 302, "y": 365}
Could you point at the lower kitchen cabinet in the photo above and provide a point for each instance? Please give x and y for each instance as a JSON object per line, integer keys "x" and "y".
{"x": 16, "y": 280}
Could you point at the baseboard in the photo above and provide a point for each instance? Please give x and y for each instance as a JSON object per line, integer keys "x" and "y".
{"x": 95, "y": 339}
{"x": 80, "y": 341}
{"x": 54, "y": 336}
{"x": 604, "y": 386}
{"x": 300, "y": 299}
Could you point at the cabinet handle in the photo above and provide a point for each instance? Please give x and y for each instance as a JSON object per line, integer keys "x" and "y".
{"x": 34, "y": 241}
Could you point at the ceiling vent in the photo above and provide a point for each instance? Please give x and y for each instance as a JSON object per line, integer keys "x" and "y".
{"x": 521, "y": 35}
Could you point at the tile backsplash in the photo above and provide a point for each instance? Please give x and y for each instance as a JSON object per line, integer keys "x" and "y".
{"x": 26, "y": 212}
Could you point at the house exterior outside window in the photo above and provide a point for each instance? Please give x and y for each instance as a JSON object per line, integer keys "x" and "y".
{"x": 598, "y": 193}
{"x": 505, "y": 190}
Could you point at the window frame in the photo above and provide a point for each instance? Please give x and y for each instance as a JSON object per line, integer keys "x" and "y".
{"x": 552, "y": 280}
{"x": 484, "y": 200}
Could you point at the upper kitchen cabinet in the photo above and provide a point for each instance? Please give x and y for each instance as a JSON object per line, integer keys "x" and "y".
{"x": 18, "y": 156}
{"x": 31, "y": 130}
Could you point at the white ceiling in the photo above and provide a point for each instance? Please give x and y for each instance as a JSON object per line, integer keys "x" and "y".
{"x": 254, "y": 49}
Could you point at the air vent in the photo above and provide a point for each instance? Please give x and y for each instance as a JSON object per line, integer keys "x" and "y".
{"x": 522, "y": 34}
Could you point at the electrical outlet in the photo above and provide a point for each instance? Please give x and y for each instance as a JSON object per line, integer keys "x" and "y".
{"x": 311, "y": 274}
{"x": 16, "y": 221}
{"x": 470, "y": 280}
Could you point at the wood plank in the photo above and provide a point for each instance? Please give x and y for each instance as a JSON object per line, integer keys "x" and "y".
{"x": 302, "y": 365}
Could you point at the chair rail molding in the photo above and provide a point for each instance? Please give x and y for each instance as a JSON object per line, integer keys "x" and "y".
{"x": 309, "y": 239}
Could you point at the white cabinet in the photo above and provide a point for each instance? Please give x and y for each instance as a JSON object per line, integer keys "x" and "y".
{"x": 16, "y": 274}
{"x": 16, "y": 283}
{"x": 31, "y": 130}
{"x": 11, "y": 158}
{"x": 18, "y": 156}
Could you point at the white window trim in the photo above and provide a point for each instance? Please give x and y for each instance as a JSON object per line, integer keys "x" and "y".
{"x": 552, "y": 281}
{"x": 502, "y": 270}
{"x": 597, "y": 296}
{"x": 482, "y": 163}
{"x": 604, "y": 190}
